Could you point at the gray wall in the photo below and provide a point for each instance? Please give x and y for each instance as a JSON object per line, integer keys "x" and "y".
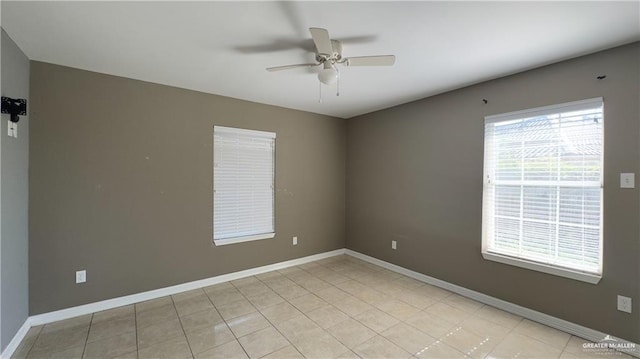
{"x": 121, "y": 185}
{"x": 414, "y": 174}
{"x": 14, "y": 239}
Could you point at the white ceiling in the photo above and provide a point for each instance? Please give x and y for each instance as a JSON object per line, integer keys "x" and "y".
{"x": 223, "y": 47}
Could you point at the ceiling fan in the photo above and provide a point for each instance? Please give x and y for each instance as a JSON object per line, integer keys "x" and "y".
{"x": 329, "y": 55}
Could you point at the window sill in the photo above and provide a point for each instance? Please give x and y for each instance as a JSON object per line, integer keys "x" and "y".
{"x": 561, "y": 272}
{"x": 255, "y": 237}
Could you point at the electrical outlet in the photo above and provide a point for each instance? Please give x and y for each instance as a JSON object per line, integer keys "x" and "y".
{"x": 295, "y": 241}
{"x": 627, "y": 180}
{"x": 81, "y": 276}
{"x": 394, "y": 245}
{"x": 624, "y": 304}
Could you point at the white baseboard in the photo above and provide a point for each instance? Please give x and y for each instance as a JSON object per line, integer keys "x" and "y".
{"x": 560, "y": 324}
{"x": 17, "y": 339}
{"x": 548, "y": 320}
{"x": 152, "y": 294}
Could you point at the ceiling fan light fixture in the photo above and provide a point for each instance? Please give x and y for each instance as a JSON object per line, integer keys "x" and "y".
{"x": 328, "y": 75}
{"x": 328, "y": 53}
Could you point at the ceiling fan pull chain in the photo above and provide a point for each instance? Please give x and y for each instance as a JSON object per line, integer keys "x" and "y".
{"x": 338, "y": 83}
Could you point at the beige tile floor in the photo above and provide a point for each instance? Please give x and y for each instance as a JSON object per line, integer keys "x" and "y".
{"x": 339, "y": 307}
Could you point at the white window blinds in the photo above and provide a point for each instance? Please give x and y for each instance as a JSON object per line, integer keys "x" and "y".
{"x": 243, "y": 184}
{"x": 543, "y": 185}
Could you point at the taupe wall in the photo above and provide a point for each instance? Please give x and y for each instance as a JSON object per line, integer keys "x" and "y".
{"x": 121, "y": 185}
{"x": 14, "y": 237}
{"x": 414, "y": 174}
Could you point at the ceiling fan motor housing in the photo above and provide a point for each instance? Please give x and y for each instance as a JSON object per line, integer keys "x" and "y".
{"x": 336, "y": 56}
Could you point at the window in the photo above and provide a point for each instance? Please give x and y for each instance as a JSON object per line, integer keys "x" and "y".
{"x": 243, "y": 185}
{"x": 542, "y": 198}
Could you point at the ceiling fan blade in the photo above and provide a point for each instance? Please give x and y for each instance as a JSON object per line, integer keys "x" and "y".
{"x": 322, "y": 40}
{"x": 383, "y": 60}
{"x": 358, "y": 39}
{"x": 287, "y": 67}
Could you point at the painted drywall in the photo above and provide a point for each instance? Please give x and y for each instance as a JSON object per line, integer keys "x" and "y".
{"x": 14, "y": 157}
{"x": 121, "y": 185}
{"x": 414, "y": 174}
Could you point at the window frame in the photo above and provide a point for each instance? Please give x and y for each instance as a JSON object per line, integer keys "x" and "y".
{"x": 558, "y": 270}
{"x": 252, "y": 237}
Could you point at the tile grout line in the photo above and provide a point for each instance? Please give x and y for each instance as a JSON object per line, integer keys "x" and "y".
{"x": 291, "y": 304}
{"x": 84, "y": 349}
{"x": 564, "y": 349}
{"x": 355, "y": 278}
{"x": 511, "y": 330}
{"x": 276, "y": 328}
{"x": 288, "y": 302}
{"x": 349, "y": 316}
{"x": 181, "y": 326}
{"x": 34, "y": 342}
{"x": 135, "y": 326}
{"x": 437, "y": 300}
{"x": 305, "y": 314}
{"x": 267, "y": 319}
{"x": 356, "y": 273}
{"x": 227, "y": 323}
{"x": 224, "y": 320}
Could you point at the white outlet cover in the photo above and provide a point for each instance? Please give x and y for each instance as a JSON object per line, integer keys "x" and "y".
{"x": 624, "y": 304}
{"x": 81, "y": 276}
{"x": 12, "y": 129}
{"x": 394, "y": 245}
{"x": 627, "y": 180}
{"x": 295, "y": 241}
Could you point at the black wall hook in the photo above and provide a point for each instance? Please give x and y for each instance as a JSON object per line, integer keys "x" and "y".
{"x": 601, "y": 77}
{"x": 14, "y": 107}
{"x": 485, "y": 101}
